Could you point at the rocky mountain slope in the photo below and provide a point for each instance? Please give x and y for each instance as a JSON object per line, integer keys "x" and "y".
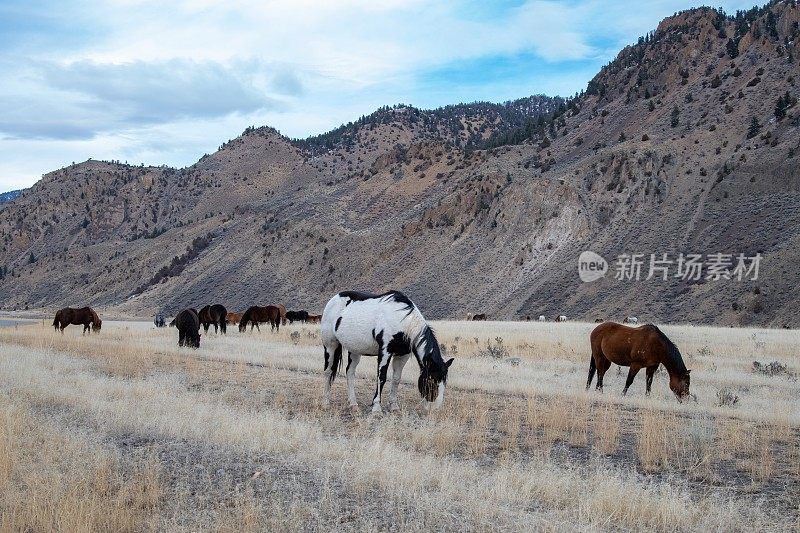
{"x": 10, "y": 195}
{"x": 686, "y": 143}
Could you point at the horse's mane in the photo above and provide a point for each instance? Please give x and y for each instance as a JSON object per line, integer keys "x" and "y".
{"x": 429, "y": 337}
{"x": 672, "y": 350}
{"x": 397, "y": 296}
{"x": 401, "y": 298}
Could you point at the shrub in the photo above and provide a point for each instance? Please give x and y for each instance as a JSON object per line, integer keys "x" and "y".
{"x": 775, "y": 368}
{"x": 675, "y": 117}
{"x": 726, "y": 397}
{"x": 754, "y": 128}
{"x": 495, "y": 351}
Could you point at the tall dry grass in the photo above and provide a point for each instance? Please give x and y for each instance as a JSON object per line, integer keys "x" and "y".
{"x": 487, "y": 461}
{"x": 54, "y": 482}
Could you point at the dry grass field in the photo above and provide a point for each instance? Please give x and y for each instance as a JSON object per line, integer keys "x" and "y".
{"x": 124, "y": 431}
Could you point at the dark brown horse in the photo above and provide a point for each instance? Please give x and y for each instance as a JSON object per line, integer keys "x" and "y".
{"x": 637, "y": 348}
{"x": 188, "y": 324}
{"x": 479, "y": 316}
{"x": 213, "y": 314}
{"x": 256, "y": 314}
{"x": 84, "y": 315}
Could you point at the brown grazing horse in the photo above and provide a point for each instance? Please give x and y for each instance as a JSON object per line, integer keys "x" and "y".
{"x": 637, "y": 348}
{"x": 315, "y": 319}
{"x": 479, "y": 316}
{"x": 233, "y": 318}
{"x": 188, "y": 324}
{"x": 256, "y": 314}
{"x": 213, "y": 314}
{"x": 84, "y": 315}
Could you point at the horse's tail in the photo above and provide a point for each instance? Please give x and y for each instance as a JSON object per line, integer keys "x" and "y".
{"x": 57, "y": 319}
{"x": 592, "y": 369}
{"x": 336, "y": 363}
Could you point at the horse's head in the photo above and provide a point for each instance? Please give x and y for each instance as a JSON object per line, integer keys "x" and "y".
{"x": 433, "y": 374}
{"x": 679, "y": 383}
{"x": 432, "y": 380}
{"x": 96, "y": 325}
{"x": 242, "y": 326}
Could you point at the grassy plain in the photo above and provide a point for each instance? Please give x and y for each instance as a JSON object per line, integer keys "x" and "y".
{"x": 125, "y": 431}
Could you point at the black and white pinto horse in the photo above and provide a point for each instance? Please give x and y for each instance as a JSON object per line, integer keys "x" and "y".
{"x": 390, "y": 327}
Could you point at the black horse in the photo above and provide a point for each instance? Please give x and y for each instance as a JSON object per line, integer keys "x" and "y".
{"x": 213, "y": 314}
{"x": 159, "y": 321}
{"x": 188, "y": 324}
{"x": 299, "y": 316}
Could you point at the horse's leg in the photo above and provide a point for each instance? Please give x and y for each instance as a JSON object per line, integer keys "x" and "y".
{"x": 603, "y": 365}
{"x": 223, "y": 326}
{"x": 333, "y": 358}
{"x": 631, "y": 374}
{"x": 383, "y": 366}
{"x": 651, "y": 371}
{"x": 397, "y": 370}
{"x": 352, "y": 362}
{"x": 592, "y": 368}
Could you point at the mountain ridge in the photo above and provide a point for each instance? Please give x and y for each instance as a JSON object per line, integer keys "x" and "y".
{"x": 487, "y": 216}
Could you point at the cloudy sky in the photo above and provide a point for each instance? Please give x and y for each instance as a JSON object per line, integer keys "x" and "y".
{"x": 165, "y": 82}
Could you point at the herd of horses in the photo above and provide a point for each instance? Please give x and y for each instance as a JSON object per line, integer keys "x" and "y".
{"x": 558, "y": 318}
{"x": 189, "y": 321}
{"x": 391, "y": 327}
